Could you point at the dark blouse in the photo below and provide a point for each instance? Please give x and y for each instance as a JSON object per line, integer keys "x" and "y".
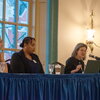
{"x": 72, "y": 63}
{"x": 33, "y": 66}
{"x": 20, "y": 64}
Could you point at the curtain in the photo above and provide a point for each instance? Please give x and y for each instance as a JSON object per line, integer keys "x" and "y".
{"x": 49, "y": 87}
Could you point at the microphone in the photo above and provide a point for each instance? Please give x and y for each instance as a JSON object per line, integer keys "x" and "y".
{"x": 95, "y": 57}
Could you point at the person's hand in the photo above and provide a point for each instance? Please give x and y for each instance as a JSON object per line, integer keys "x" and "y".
{"x": 78, "y": 67}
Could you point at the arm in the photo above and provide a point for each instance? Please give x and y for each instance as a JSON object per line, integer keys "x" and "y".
{"x": 2, "y": 60}
{"x": 77, "y": 69}
{"x": 67, "y": 69}
{"x": 17, "y": 65}
{"x": 71, "y": 66}
{"x": 6, "y": 69}
{"x": 1, "y": 57}
{"x": 41, "y": 67}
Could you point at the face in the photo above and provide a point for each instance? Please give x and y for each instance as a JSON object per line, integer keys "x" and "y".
{"x": 30, "y": 47}
{"x": 81, "y": 53}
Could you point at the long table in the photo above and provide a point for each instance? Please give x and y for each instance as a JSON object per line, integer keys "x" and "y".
{"x": 49, "y": 87}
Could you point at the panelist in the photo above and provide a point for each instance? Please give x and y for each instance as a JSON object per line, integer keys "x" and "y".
{"x": 75, "y": 63}
{"x": 26, "y": 61}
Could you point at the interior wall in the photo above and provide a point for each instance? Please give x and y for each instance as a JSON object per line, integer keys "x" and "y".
{"x": 40, "y": 32}
{"x": 72, "y": 24}
{"x": 42, "y": 39}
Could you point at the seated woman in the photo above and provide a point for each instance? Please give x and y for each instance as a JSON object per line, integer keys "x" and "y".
{"x": 75, "y": 63}
{"x": 26, "y": 61}
{"x": 3, "y": 65}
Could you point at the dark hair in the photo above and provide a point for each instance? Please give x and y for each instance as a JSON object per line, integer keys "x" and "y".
{"x": 77, "y": 47}
{"x": 26, "y": 40}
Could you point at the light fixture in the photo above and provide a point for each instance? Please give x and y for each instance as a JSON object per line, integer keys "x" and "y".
{"x": 90, "y": 33}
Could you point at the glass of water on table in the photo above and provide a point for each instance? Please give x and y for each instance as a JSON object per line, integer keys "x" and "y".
{"x": 51, "y": 68}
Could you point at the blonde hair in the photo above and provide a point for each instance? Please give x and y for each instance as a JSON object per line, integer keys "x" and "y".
{"x": 77, "y": 47}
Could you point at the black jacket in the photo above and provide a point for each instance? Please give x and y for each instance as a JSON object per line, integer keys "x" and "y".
{"x": 19, "y": 63}
{"x": 72, "y": 63}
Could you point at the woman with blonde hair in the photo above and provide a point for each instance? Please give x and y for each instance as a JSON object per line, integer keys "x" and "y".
{"x": 75, "y": 63}
{"x": 3, "y": 65}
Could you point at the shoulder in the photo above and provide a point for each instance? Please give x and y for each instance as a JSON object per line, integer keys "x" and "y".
{"x": 70, "y": 59}
{"x": 17, "y": 54}
{"x": 35, "y": 56}
{"x": 20, "y": 53}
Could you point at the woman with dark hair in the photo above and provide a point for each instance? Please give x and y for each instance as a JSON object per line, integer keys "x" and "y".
{"x": 75, "y": 63}
{"x": 26, "y": 61}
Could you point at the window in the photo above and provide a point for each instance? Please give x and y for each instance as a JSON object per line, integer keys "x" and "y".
{"x": 14, "y": 24}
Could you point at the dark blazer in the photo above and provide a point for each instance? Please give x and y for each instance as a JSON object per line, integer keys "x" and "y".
{"x": 19, "y": 63}
{"x": 71, "y": 64}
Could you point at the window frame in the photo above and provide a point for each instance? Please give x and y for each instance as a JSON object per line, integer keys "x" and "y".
{"x": 29, "y": 24}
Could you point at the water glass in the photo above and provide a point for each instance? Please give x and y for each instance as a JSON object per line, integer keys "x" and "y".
{"x": 51, "y": 68}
